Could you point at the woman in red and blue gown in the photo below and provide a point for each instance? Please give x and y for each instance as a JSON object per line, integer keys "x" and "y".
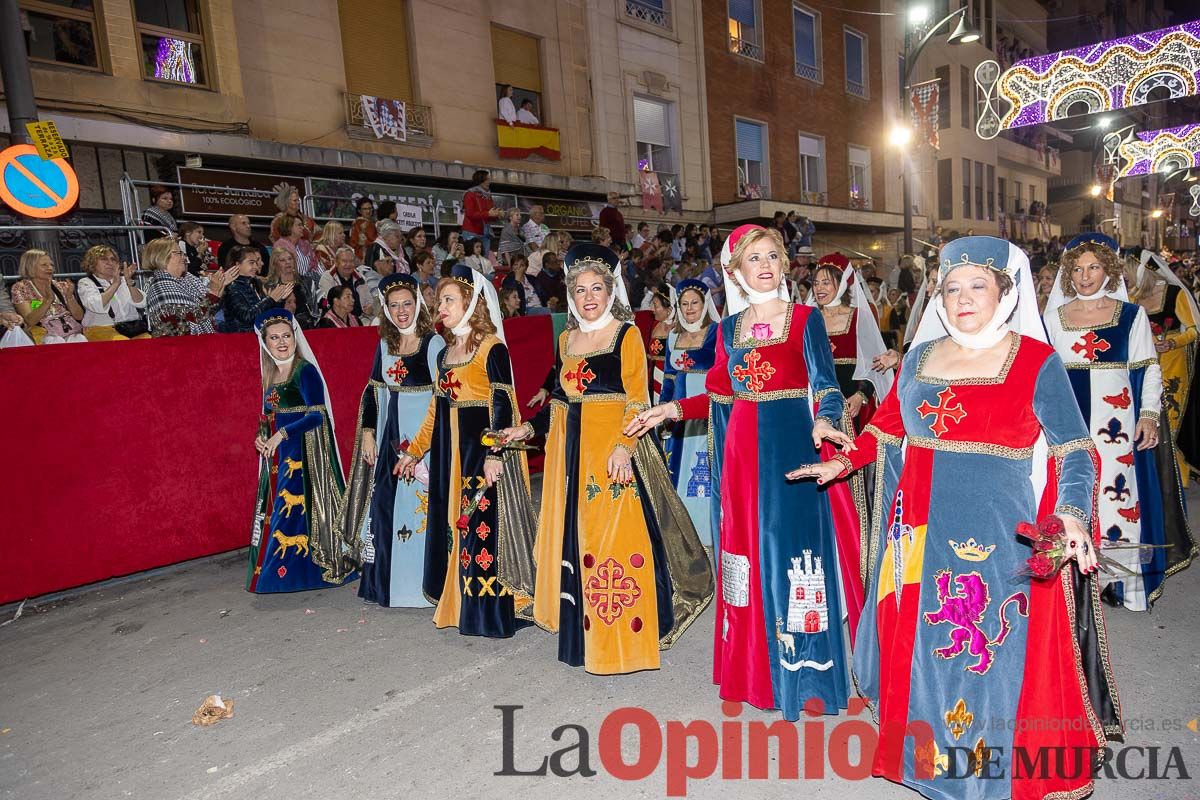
{"x": 781, "y": 570}
{"x": 960, "y": 652}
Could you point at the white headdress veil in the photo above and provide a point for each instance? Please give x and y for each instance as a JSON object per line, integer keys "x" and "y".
{"x": 1153, "y": 262}
{"x": 584, "y": 258}
{"x": 1058, "y": 297}
{"x": 481, "y": 288}
{"x": 990, "y": 251}
{"x": 738, "y": 301}
{"x": 303, "y": 350}
{"x": 710, "y": 308}
{"x": 386, "y": 316}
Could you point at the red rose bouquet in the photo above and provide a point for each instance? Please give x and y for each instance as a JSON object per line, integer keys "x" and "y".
{"x": 1049, "y": 541}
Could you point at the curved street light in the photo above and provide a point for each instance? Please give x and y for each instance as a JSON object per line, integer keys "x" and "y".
{"x": 963, "y": 33}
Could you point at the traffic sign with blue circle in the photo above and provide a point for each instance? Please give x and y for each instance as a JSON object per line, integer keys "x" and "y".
{"x": 34, "y": 186}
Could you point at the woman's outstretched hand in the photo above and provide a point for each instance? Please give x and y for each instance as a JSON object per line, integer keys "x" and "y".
{"x": 823, "y": 431}
{"x": 650, "y": 418}
{"x": 823, "y": 471}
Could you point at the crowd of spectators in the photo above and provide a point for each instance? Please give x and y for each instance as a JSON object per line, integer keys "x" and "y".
{"x": 327, "y": 275}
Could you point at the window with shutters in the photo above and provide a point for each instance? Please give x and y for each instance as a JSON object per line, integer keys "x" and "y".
{"x": 517, "y": 62}
{"x": 60, "y": 32}
{"x": 966, "y": 107}
{"x": 979, "y": 191}
{"x": 856, "y": 62}
{"x": 945, "y": 188}
{"x": 812, "y": 169}
{"x": 943, "y": 78}
{"x": 991, "y": 192}
{"x": 375, "y": 48}
{"x": 860, "y": 177}
{"x": 806, "y": 31}
{"x": 652, "y": 131}
{"x": 1018, "y": 202}
{"x": 745, "y": 30}
{"x": 966, "y": 188}
{"x": 171, "y": 35}
{"x": 752, "y": 175}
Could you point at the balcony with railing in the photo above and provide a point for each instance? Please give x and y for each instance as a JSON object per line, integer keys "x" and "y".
{"x": 808, "y": 72}
{"x": 745, "y": 47}
{"x": 814, "y": 198}
{"x": 653, "y": 12}
{"x": 417, "y": 130}
{"x": 855, "y": 88}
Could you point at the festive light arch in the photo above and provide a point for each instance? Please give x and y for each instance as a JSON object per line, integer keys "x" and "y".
{"x": 1120, "y": 73}
{"x": 1144, "y": 152}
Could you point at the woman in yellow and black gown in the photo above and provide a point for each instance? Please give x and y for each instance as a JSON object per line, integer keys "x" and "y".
{"x": 633, "y": 573}
{"x": 479, "y": 540}
{"x": 1173, "y": 320}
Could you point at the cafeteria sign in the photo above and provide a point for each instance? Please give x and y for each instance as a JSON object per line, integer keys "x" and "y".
{"x": 334, "y": 199}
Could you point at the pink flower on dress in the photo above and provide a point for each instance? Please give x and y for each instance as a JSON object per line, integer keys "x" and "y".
{"x": 761, "y": 331}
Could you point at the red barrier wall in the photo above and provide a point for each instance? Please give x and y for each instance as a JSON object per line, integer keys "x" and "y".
{"x": 127, "y": 456}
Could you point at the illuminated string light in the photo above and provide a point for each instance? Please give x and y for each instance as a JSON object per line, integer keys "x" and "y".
{"x": 173, "y": 61}
{"x": 1120, "y": 73}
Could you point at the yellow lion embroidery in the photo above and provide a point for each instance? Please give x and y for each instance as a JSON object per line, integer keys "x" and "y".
{"x": 290, "y": 501}
{"x": 299, "y": 541}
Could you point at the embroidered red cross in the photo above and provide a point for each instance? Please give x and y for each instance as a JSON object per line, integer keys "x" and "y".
{"x": 450, "y": 385}
{"x": 273, "y": 398}
{"x": 685, "y": 362}
{"x": 397, "y": 372}
{"x": 610, "y": 591}
{"x": 582, "y": 376}
{"x": 942, "y": 411}
{"x": 754, "y": 374}
{"x": 656, "y": 347}
{"x": 1090, "y": 345}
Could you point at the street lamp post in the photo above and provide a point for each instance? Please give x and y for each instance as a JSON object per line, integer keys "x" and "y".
{"x": 962, "y": 34}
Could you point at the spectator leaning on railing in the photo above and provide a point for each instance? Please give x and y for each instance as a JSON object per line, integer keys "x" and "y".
{"x": 479, "y": 210}
{"x": 112, "y": 302}
{"x": 158, "y": 213}
{"x": 179, "y": 303}
{"x": 49, "y": 308}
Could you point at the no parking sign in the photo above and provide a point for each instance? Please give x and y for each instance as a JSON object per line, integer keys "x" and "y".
{"x": 36, "y": 187}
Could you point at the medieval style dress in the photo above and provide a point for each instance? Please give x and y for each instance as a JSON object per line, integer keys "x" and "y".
{"x": 621, "y": 573}
{"x": 782, "y": 571}
{"x": 687, "y": 448}
{"x": 478, "y": 538}
{"x": 1173, "y": 321}
{"x": 1115, "y": 375}
{"x": 388, "y": 514}
{"x": 294, "y": 544}
{"x": 954, "y": 639}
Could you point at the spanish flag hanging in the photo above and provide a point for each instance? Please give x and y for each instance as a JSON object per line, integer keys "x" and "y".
{"x": 522, "y": 141}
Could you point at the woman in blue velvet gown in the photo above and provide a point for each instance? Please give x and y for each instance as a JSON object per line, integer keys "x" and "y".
{"x": 386, "y": 513}
{"x": 294, "y": 543}
{"x": 691, "y": 349}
